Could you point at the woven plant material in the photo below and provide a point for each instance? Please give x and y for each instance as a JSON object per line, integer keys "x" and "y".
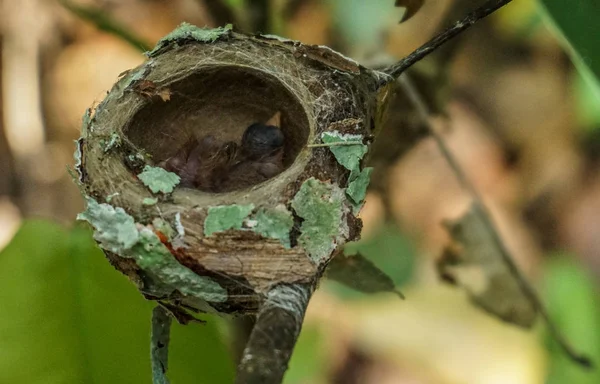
{"x": 223, "y": 251}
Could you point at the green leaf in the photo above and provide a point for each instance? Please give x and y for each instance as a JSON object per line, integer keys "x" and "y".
{"x": 309, "y": 362}
{"x": 158, "y": 179}
{"x": 411, "y": 7}
{"x": 69, "y": 317}
{"x": 573, "y": 302}
{"x": 387, "y": 252}
{"x": 578, "y": 24}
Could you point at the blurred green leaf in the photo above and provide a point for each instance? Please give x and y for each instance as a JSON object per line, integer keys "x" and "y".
{"x": 309, "y": 362}
{"x": 411, "y": 7}
{"x": 579, "y": 25}
{"x": 69, "y": 317}
{"x": 388, "y": 250}
{"x": 573, "y": 302}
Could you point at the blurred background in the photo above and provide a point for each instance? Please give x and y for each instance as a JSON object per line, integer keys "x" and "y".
{"x": 522, "y": 117}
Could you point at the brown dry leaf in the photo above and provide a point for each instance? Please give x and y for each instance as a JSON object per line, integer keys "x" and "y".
{"x": 475, "y": 263}
{"x": 412, "y": 6}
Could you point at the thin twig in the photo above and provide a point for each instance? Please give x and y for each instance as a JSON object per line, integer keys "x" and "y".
{"x": 266, "y": 356}
{"x": 460, "y": 26}
{"x": 104, "y": 22}
{"x": 159, "y": 345}
{"x": 486, "y": 218}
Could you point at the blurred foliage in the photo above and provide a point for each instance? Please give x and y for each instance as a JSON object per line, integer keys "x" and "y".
{"x": 309, "y": 362}
{"x": 578, "y": 22}
{"x": 574, "y": 304}
{"x": 69, "y": 317}
{"x": 389, "y": 250}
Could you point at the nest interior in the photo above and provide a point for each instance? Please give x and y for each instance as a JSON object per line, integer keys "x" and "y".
{"x": 221, "y": 101}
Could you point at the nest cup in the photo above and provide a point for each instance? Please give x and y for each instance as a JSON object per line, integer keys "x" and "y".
{"x": 220, "y": 101}
{"x": 217, "y": 82}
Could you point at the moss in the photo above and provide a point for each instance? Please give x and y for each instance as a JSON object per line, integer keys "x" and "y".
{"x": 158, "y": 179}
{"x": 224, "y": 217}
{"x": 186, "y": 32}
{"x": 320, "y": 204}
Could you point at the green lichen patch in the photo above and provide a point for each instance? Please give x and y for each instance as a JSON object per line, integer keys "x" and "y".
{"x": 153, "y": 257}
{"x": 113, "y": 141}
{"x": 320, "y": 204}
{"x": 224, "y": 217}
{"x": 115, "y": 229}
{"x": 187, "y": 32}
{"x": 117, "y": 232}
{"x": 349, "y": 156}
{"x": 357, "y": 187}
{"x": 163, "y": 227}
{"x": 148, "y": 201}
{"x": 275, "y": 224}
{"x": 158, "y": 179}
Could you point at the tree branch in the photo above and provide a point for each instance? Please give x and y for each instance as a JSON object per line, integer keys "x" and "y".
{"x": 460, "y": 26}
{"x": 159, "y": 344}
{"x": 266, "y": 356}
{"x": 484, "y": 214}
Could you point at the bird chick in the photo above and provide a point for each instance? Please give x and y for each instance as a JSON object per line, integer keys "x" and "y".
{"x": 210, "y": 166}
{"x": 199, "y": 162}
{"x": 260, "y": 157}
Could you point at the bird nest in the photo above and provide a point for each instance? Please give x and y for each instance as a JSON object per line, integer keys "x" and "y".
{"x": 220, "y": 245}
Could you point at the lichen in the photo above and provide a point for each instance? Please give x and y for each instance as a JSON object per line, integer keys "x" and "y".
{"x": 153, "y": 257}
{"x": 113, "y": 141}
{"x": 186, "y": 32}
{"x": 159, "y": 179}
{"x": 115, "y": 229}
{"x": 320, "y": 204}
{"x": 223, "y": 217}
{"x": 148, "y": 201}
{"x": 357, "y": 188}
{"x": 117, "y": 232}
{"x": 274, "y": 223}
{"x": 349, "y": 156}
{"x": 163, "y": 227}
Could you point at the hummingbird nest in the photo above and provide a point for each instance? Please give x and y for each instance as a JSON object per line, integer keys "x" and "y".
{"x": 222, "y": 250}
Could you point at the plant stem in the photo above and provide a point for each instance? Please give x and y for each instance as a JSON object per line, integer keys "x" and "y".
{"x": 104, "y": 22}
{"x": 266, "y": 356}
{"x": 159, "y": 344}
{"x": 460, "y": 26}
{"x": 486, "y": 218}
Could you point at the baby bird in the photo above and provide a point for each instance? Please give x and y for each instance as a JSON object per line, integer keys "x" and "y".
{"x": 260, "y": 157}
{"x": 209, "y": 166}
